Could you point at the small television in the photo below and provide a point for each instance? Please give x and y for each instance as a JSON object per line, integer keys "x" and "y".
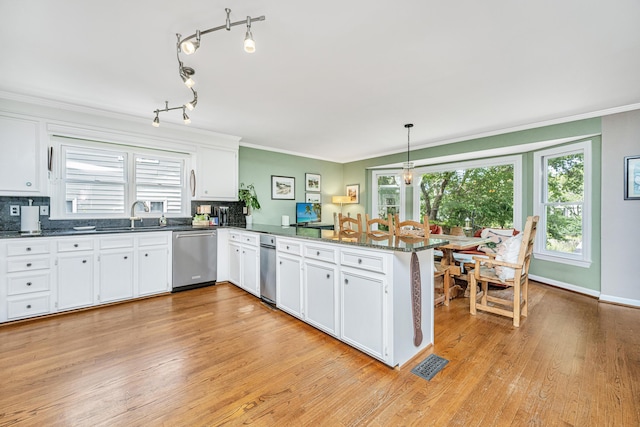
{"x": 308, "y": 212}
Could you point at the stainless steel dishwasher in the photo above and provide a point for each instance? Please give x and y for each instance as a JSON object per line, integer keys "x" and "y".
{"x": 268, "y": 268}
{"x": 195, "y": 262}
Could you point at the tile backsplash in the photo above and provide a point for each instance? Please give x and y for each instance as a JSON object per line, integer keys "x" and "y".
{"x": 12, "y": 223}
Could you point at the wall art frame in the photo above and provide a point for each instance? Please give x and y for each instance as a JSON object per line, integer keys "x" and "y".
{"x": 353, "y": 192}
{"x": 632, "y": 178}
{"x": 283, "y": 187}
{"x": 312, "y": 182}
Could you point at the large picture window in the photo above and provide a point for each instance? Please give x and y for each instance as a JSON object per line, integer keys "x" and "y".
{"x": 562, "y": 182}
{"x": 471, "y": 195}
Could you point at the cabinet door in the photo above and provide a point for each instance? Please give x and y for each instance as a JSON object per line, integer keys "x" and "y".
{"x": 363, "y": 312}
{"x": 234, "y": 263}
{"x": 251, "y": 269}
{"x": 289, "y": 285}
{"x": 75, "y": 281}
{"x": 19, "y": 162}
{"x": 320, "y": 297}
{"x": 217, "y": 175}
{"x": 116, "y": 276}
{"x": 153, "y": 275}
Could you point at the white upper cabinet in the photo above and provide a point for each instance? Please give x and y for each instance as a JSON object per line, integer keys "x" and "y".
{"x": 20, "y": 168}
{"x": 216, "y": 174}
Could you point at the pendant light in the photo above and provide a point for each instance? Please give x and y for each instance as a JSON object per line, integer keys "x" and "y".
{"x": 407, "y": 167}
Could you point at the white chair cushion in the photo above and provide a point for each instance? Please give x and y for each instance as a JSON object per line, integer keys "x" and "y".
{"x": 497, "y": 236}
{"x": 508, "y": 251}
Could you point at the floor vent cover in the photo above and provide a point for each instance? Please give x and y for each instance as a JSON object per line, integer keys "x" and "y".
{"x": 429, "y": 367}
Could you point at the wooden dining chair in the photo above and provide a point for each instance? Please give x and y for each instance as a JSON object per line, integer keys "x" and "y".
{"x": 347, "y": 225}
{"x": 415, "y": 228}
{"x": 372, "y": 226}
{"x": 510, "y": 269}
{"x": 411, "y": 227}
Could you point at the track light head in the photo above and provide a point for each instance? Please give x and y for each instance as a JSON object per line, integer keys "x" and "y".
{"x": 156, "y": 121}
{"x": 185, "y": 118}
{"x": 249, "y": 43}
{"x": 188, "y": 47}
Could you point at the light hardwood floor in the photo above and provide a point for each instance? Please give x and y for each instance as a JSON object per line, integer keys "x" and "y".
{"x": 217, "y": 356}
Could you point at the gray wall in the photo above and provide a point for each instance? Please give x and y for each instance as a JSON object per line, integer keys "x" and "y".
{"x": 620, "y": 218}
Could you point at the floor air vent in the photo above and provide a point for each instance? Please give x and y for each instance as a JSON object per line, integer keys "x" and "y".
{"x": 429, "y": 367}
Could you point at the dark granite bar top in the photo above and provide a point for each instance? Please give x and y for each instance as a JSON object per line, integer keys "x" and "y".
{"x": 403, "y": 244}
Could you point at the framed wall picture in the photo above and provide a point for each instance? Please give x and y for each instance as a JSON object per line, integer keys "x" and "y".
{"x": 313, "y": 198}
{"x": 312, "y": 182}
{"x": 283, "y": 187}
{"x": 353, "y": 192}
{"x": 632, "y": 178}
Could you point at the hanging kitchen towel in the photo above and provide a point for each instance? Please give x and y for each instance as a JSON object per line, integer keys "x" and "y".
{"x": 416, "y": 299}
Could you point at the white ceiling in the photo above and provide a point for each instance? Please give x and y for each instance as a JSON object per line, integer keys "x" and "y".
{"x": 331, "y": 79}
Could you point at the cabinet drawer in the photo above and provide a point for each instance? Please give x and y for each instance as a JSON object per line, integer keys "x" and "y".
{"x": 28, "y": 307}
{"x": 363, "y": 260}
{"x": 28, "y": 248}
{"x": 250, "y": 239}
{"x": 116, "y": 242}
{"x": 290, "y": 247}
{"x": 153, "y": 239}
{"x": 75, "y": 245}
{"x": 323, "y": 253}
{"x": 24, "y": 284}
{"x": 27, "y": 264}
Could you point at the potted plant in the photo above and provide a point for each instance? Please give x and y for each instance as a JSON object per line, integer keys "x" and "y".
{"x": 250, "y": 198}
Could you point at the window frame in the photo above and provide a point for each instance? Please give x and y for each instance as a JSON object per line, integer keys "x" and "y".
{"x": 58, "y": 184}
{"x": 515, "y": 160}
{"x": 540, "y": 157}
{"x": 374, "y": 200}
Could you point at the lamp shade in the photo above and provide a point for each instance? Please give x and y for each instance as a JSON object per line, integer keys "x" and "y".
{"x": 340, "y": 199}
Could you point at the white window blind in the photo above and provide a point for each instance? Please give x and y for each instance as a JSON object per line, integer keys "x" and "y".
{"x": 159, "y": 182}
{"x": 94, "y": 181}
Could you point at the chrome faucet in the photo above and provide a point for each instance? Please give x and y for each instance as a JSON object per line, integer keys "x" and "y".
{"x": 133, "y": 208}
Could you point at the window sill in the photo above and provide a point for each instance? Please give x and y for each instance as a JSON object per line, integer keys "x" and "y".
{"x": 563, "y": 260}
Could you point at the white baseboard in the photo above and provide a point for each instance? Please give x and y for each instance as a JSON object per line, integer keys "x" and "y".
{"x": 567, "y": 286}
{"x": 585, "y": 291}
{"x": 618, "y": 300}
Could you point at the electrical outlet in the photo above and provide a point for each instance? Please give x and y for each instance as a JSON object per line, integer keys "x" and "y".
{"x": 15, "y": 210}
{"x": 44, "y": 210}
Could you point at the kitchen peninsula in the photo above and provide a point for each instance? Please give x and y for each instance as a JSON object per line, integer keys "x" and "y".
{"x": 357, "y": 289}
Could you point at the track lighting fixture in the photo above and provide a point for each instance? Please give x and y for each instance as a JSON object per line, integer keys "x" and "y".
{"x": 190, "y": 45}
{"x": 407, "y": 167}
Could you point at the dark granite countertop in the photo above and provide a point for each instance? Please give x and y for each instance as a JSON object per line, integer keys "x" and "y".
{"x": 404, "y": 244}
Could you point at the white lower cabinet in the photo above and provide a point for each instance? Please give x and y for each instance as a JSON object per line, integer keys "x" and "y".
{"x": 74, "y": 276}
{"x": 244, "y": 261}
{"x": 289, "y": 280}
{"x": 116, "y": 276}
{"x": 153, "y": 277}
{"x": 25, "y": 277}
{"x": 321, "y": 296}
{"x": 43, "y": 275}
{"x": 363, "y": 311}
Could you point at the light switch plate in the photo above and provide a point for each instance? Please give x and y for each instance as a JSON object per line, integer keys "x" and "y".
{"x": 44, "y": 210}
{"x": 14, "y": 210}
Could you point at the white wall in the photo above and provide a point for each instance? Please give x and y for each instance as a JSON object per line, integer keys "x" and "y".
{"x": 620, "y": 280}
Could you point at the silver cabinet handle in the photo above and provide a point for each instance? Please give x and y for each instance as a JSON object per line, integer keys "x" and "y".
{"x": 359, "y": 261}
{"x": 84, "y": 261}
{"x": 318, "y": 253}
{"x": 28, "y": 264}
{"x": 75, "y": 245}
{"x": 346, "y": 281}
{"x": 28, "y": 283}
{"x": 192, "y": 182}
{"x": 328, "y": 276}
{"x": 28, "y": 305}
{"x": 28, "y": 249}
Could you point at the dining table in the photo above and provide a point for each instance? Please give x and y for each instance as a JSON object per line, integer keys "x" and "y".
{"x": 456, "y": 243}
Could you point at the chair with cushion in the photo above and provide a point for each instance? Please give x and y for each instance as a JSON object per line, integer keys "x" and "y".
{"x": 508, "y": 267}
{"x": 373, "y": 226}
{"x": 347, "y": 225}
